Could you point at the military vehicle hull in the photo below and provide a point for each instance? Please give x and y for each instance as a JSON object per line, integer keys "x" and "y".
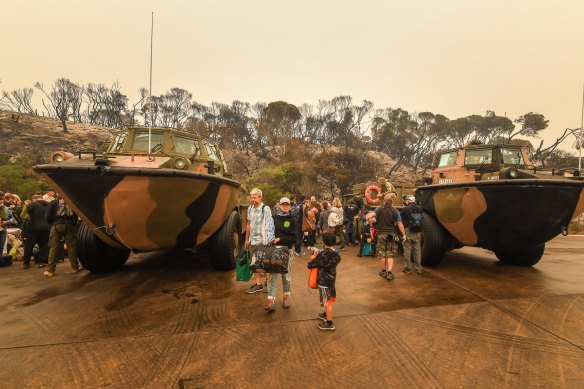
{"x": 146, "y": 209}
{"x": 514, "y": 217}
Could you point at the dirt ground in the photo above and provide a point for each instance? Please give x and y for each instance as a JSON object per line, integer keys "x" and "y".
{"x": 168, "y": 321}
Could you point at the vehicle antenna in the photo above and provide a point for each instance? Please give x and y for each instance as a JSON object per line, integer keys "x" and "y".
{"x": 581, "y": 134}
{"x": 150, "y": 92}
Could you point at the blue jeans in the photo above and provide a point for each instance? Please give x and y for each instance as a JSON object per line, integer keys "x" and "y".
{"x": 286, "y": 282}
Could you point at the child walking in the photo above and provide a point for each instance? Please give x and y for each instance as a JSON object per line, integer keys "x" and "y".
{"x": 326, "y": 262}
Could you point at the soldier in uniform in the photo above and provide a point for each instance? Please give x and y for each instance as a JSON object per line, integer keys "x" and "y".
{"x": 63, "y": 222}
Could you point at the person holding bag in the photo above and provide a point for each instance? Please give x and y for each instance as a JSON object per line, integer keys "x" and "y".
{"x": 259, "y": 230}
{"x": 285, "y": 235}
{"x": 326, "y": 262}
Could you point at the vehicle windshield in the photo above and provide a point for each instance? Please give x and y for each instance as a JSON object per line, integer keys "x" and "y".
{"x": 478, "y": 157}
{"x": 187, "y": 146}
{"x": 512, "y": 156}
{"x": 116, "y": 146}
{"x": 141, "y": 140}
{"x": 447, "y": 159}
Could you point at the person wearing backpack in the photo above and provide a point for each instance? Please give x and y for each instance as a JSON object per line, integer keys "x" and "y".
{"x": 412, "y": 218}
{"x": 259, "y": 230}
{"x": 390, "y": 231}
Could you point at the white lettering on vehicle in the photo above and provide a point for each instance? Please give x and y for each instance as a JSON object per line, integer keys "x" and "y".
{"x": 493, "y": 178}
{"x": 446, "y": 181}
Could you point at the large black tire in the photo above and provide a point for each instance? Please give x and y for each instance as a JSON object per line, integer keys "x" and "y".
{"x": 97, "y": 256}
{"x": 521, "y": 257}
{"x": 433, "y": 241}
{"x": 226, "y": 243}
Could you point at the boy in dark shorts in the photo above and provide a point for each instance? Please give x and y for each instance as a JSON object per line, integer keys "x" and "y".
{"x": 326, "y": 262}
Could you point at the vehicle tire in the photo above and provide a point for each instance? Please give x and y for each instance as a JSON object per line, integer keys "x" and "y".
{"x": 226, "y": 243}
{"x": 522, "y": 257}
{"x": 433, "y": 241}
{"x": 97, "y": 256}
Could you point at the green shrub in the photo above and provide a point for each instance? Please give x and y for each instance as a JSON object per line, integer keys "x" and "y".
{"x": 16, "y": 179}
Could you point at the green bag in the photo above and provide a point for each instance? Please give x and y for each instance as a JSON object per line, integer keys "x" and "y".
{"x": 242, "y": 270}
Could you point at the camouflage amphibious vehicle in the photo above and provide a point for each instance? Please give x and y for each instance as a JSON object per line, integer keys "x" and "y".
{"x": 492, "y": 196}
{"x": 174, "y": 196}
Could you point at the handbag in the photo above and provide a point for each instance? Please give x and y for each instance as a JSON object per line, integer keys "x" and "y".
{"x": 242, "y": 269}
{"x": 366, "y": 249}
{"x": 312, "y": 278}
{"x": 270, "y": 259}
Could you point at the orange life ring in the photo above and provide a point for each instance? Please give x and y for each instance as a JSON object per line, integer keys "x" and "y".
{"x": 368, "y": 196}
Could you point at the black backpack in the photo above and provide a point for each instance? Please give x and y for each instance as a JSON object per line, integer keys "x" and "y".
{"x": 416, "y": 219}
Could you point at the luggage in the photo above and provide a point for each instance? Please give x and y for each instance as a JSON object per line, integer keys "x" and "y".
{"x": 6, "y": 260}
{"x": 270, "y": 259}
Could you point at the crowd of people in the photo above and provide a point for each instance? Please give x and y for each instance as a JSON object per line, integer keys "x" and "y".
{"x": 42, "y": 228}
{"x": 378, "y": 231}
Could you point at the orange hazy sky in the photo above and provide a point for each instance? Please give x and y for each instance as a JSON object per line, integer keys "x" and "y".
{"x": 454, "y": 57}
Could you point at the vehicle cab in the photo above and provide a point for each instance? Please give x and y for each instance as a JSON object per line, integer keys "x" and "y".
{"x": 478, "y": 163}
{"x": 175, "y": 149}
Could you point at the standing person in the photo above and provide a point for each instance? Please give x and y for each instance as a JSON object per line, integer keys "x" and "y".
{"x": 258, "y": 230}
{"x": 350, "y": 210}
{"x": 63, "y": 222}
{"x": 388, "y": 218}
{"x": 411, "y": 216}
{"x": 297, "y": 212}
{"x": 369, "y": 234}
{"x": 7, "y": 219}
{"x": 37, "y": 232}
{"x": 285, "y": 235}
{"x": 49, "y": 195}
{"x": 309, "y": 211}
{"x": 336, "y": 219}
{"x": 326, "y": 262}
{"x": 3, "y": 223}
{"x": 323, "y": 219}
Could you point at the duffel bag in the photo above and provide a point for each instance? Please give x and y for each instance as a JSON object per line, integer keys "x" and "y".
{"x": 270, "y": 259}
{"x": 5, "y": 260}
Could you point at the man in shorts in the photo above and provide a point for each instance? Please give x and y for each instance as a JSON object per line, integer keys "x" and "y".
{"x": 389, "y": 223}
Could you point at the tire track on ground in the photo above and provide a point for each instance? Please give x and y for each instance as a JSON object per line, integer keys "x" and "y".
{"x": 535, "y": 344}
{"x": 511, "y": 311}
{"x": 411, "y": 368}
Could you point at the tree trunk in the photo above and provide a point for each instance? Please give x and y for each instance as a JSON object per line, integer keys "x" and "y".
{"x": 64, "y": 125}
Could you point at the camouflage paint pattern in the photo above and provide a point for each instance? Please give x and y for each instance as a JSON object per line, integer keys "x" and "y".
{"x": 580, "y": 207}
{"x": 147, "y": 212}
{"x": 146, "y": 202}
{"x": 457, "y": 209}
{"x": 504, "y": 214}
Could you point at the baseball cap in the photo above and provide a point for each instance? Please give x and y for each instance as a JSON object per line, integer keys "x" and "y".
{"x": 284, "y": 200}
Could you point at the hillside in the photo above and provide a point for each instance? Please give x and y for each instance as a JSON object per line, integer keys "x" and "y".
{"x": 30, "y": 139}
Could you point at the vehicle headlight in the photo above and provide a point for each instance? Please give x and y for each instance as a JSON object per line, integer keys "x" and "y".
{"x": 181, "y": 163}
{"x": 513, "y": 173}
{"x": 60, "y": 156}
